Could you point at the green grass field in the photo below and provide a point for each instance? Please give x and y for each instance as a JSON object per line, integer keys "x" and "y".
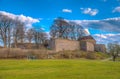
{"x": 59, "y": 69}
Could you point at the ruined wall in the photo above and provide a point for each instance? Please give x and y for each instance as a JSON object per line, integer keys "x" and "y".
{"x": 83, "y": 45}
{"x": 89, "y": 40}
{"x": 52, "y": 44}
{"x": 86, "y": 46}
{"x": 100, "y": 48}
{"x": 65, "y": 44}
{"x": 89, "y": 46}
{"x": 24, "y": 45}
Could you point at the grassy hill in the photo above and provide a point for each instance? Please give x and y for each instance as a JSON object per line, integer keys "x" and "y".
{"x": 59, "y": 69}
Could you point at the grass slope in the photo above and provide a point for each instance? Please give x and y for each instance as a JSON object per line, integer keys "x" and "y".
{"x": 59, "y": 69}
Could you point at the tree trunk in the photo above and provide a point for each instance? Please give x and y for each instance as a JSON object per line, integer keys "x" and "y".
{"x": 9, "y": 38}
{"x": 114, "y": 57}
{"x": 15, "y": 42}
{"x": 5, "y": 44}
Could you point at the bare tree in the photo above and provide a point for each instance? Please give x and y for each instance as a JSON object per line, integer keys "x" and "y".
{"x": 58, "y": 28}
{"x": 29, "y": 35}
{"x": 114, "y": 50}
{"x": 18, "y": 32}
{"x": 21, "y": 33}
{"x": 5, "y": 29}
{"x": 65, "y": 29}
{"x": 76, "y": 31}
{"x": 39, "y": 37}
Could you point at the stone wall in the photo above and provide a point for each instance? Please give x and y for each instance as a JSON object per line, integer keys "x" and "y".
{"x": 83, "y": 45}
{"x": 89, "y": 40}
{"x": 25, "y": 45}
{"x": 52, "y": 44}
{"x": 89, "y": 46}
{"x": 100, "y": 48}
{"x": 86, "y": 46}
{"x": 64, "y": 44}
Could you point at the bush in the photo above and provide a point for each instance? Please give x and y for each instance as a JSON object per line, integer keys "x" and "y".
{"x": 45, "y": 54}
{"x": 22, "y": 53}
{"x": 91, "y": 55}
{"x": 79, "y": 54}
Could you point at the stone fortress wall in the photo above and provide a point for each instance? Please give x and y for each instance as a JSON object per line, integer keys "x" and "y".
{"x": 64, "y": 44}
{"x": 87, "y": 43}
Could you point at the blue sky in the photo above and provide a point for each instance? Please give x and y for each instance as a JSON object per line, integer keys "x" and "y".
{"x": 100, "y": 17}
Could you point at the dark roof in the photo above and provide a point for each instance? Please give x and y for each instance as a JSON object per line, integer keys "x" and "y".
{"x": 86, "y": 37}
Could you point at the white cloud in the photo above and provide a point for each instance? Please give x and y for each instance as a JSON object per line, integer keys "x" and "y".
{"x": 89, "y": 11}
{"x": 42, "y": 28}
{"x": 107, "y": 38}
{"x": 109, "y": 24}
{"x": 116, "y": 9}
{"x": 48, "y": 34}
{"x": 108, "y": 29}
{"x": 84, "y": 22}
{"x": 115, "y": 19}
{"x": 101, "y": 36}
{"x": 26, "y": 19}
{"x": 67, "y": 10}
{"x": 87, "y": 32}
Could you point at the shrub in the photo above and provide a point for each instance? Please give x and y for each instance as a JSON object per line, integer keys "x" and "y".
{"x": 91, "y": 55}
{"x": 45, "y": 54}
